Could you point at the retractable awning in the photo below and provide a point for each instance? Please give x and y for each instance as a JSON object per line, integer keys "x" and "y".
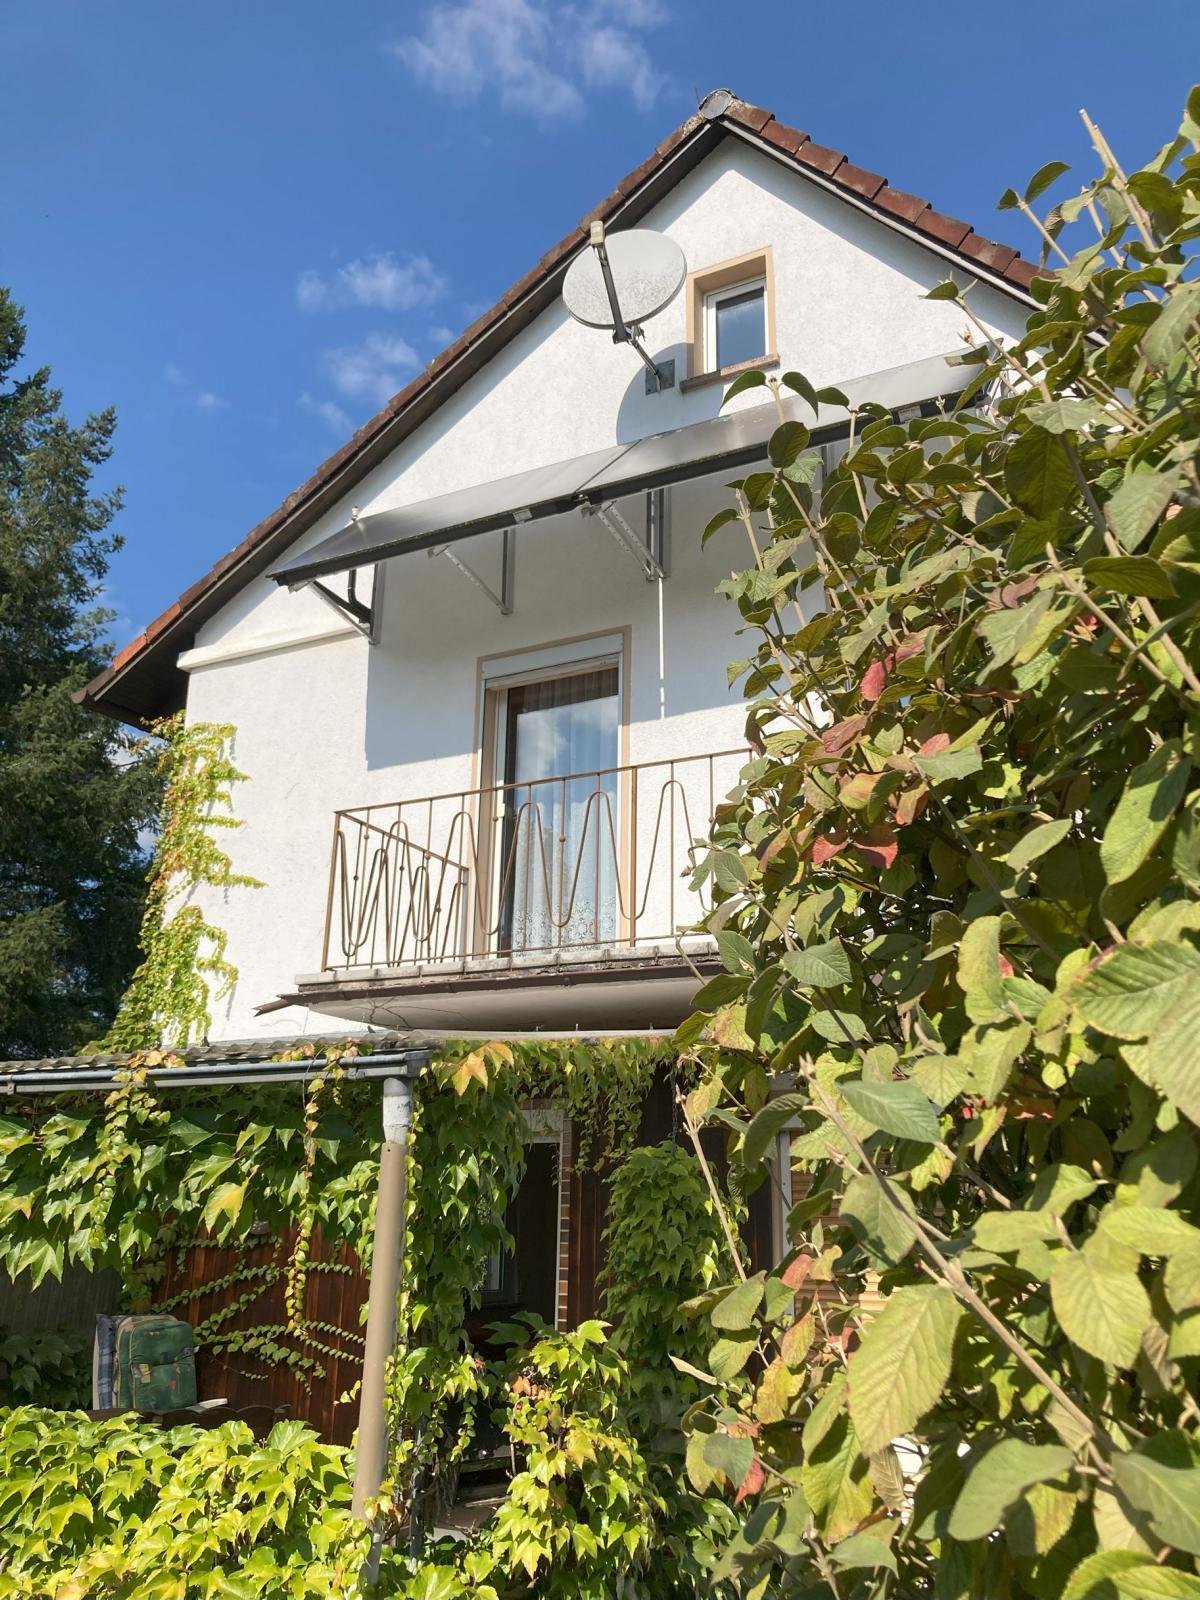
{"x": 719, "y": 444}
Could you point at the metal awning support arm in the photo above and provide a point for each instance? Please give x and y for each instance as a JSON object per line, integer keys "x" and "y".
{"x": 504, "y": 600}
{"x": 615, "y": 521}
{"x": 348, "y": 605}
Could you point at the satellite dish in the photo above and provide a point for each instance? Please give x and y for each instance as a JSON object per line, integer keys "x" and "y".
{"x": 647, "y": 270}
{"x": 622, "y": 281}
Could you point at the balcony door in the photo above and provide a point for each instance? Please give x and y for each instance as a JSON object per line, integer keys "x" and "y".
{"x": 558, "y": 811}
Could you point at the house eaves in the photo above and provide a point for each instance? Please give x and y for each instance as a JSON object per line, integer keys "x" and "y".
{"x": 144, "y": 681}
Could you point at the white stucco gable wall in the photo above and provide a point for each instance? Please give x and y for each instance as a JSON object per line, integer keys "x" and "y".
{"x": 848, "y": 296}
{"x": 326, "y": 720}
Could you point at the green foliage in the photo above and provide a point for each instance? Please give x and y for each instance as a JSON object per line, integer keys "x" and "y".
{"x": 74, "y": 789}
{"x": 664, "y": 1245}
{"x": 958, "y": 901}
{"x": 579, "y": 1518}
{"x": 585, "y": 1516}
{"x": 44, "y": 1367}
{"x": 121, "y": 1509}
{"x": 184, "y": 966}
{"x": 601, "y": 1087}
{"x": 125, "y": 1183}
{"x": 466, "y": 1158}
{"x": 120, "y": 1183}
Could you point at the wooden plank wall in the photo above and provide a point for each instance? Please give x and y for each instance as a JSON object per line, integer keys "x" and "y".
{"x": 336, "y": 1298}
{"x": 333, "y": 1297}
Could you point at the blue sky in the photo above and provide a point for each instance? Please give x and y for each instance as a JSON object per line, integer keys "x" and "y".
{"x": 244, "y": 223}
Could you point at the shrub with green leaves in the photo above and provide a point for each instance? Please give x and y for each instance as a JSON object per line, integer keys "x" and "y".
{"x": 959, "y": 911}
{"x": 121, "y": 1510}
{"x": 663, "y": 1245}
{"x": 44, "y": 1367}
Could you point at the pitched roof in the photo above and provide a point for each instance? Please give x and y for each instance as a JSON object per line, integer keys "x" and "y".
{"x": 143, "y": 681}
{"x": 231, "y": 1053}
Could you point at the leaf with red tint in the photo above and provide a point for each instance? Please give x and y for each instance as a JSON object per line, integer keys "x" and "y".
{"x": 931, "y": 747}
{"x": 1027, "y": 1108}
{"x": 878, "y": 845}
{"x": 911, "y": 645}
{"x": 857, "y": 791}
{"x": 826, "y": 847}
{"x": 875, "y": 678}
{"x": 1006, "y": 966}
{"x": 1013, "y": 593}
{"x": 911, "y": 804}
{"x": 797, "y": 1270}
{"x": 842, "y": 735}
{"x": 751, "y": 1483}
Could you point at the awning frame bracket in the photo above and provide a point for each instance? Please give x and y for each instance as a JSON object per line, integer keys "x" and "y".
{"x": 506, "y": 599}
{"x": 614, "y": 519}
{"x": 349, "y": 605}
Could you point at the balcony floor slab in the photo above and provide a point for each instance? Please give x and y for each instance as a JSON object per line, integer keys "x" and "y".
{"x": 640, "y": 988}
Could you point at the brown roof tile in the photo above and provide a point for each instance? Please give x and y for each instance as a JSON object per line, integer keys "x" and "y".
{"x": 947, "y": 229}
{"x": 750, "y": 116}
{"x": 999, "y": 257}
{"x": 1022, "y": 272}
{"x": 821, "y": 157}
{"x": 900, "y": 204}
{"x": 789, "y": 139}
{"x": 677, "y": 135}
{"x": 738, "y": 117}
{"x": 868, "y": 184}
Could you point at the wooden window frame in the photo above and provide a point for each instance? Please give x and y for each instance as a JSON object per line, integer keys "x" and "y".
{"x": 549, "y": 1125}
{"x": 754, "y": 267}
{"x": 506, "y": 669}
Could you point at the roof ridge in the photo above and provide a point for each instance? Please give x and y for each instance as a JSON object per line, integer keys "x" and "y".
{"x": 875, "y": 189}
{"x": 726, "y": 113}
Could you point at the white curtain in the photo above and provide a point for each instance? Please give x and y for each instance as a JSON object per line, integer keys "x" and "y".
{"x": 561, "y": 800}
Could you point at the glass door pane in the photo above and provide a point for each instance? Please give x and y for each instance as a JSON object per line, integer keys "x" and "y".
{"x": 558, "y": 878}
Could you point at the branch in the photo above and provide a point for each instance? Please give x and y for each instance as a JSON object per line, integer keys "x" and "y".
{"x": 953, "y": 1275}
{"x": 714, "y": 1192}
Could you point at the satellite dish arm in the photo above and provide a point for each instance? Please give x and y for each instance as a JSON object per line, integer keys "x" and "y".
{"x": 622, "y": 332}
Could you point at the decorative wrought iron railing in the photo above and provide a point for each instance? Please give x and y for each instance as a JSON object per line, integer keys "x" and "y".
{"x": 590, "y": 859}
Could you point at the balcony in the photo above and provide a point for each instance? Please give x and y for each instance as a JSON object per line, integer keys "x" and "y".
{"x": 550, "y": 897}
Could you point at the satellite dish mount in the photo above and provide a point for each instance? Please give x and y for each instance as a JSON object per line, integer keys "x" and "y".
{"x": 621, "y": 290}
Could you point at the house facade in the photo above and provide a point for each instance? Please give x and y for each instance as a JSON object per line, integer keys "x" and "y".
{"x": 476, "y": 665}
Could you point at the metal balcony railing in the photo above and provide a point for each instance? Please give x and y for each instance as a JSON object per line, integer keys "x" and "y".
{"x": 587, "y": 860}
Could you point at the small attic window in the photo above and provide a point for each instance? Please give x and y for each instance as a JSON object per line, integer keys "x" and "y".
{"x": 731, "y": 317}
{"x": 736, "y": 323}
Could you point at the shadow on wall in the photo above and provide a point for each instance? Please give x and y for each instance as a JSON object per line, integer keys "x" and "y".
{"x": 572, "y": 580}
{"x": 73, "y": 1303}
{"x": 640, "y": 414}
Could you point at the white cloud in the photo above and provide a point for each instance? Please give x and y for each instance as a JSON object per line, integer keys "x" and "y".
{"x": 380, "y": 281}
{"x": 329, "y": 412}
{"x": 537, "y": 56}
{"x": 202, "y": 399}
{"x": 613, "y": 59}
{"x": 373, "y": 370}
{"x": 441, "y": 334}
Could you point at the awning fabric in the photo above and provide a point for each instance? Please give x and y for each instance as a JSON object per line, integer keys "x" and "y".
{"x": 721, "y": 443}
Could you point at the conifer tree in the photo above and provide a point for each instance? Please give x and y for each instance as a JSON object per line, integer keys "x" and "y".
{"x": 74, "y": 791}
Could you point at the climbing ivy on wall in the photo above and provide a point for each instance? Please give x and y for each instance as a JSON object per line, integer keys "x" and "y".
{"x": 184, "y": 963}
{"x": 155, "y": 1170}
{"x": 664, "y": 1245}
{"x": 122, "y": 1182}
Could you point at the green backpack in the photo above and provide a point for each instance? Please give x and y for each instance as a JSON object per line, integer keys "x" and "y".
{"x": 155, "y": 1368}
